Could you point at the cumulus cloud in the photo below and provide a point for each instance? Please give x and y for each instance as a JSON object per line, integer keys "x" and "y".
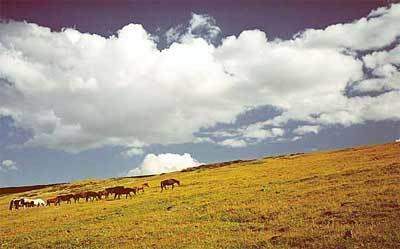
{"x": 75, "y": 91}
{"x": 163, "y": 163}
{"x": 8, "y": 165}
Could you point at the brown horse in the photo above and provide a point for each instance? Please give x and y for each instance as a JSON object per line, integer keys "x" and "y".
{"x": 141, "y": 187}
{"x": 78, "y": 196}
{"x": 53, "y": 200}
{"x": 66, "y": 198}
{"x": 104, "y": 193}
{"x": 92, "y": 196}
{"x": 167, "y": 182}
{"x": 112, "y": 189}
{"x": 124, "y": 191}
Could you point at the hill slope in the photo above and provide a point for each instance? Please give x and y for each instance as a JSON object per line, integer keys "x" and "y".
{"x": 337, "y": 199}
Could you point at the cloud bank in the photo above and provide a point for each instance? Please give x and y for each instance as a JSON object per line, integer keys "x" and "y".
{"x": 163, "y": 163}
{"x": 76, "y": 91}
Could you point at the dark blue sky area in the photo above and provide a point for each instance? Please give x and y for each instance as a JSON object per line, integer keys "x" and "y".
{"x": 277, "y": 18}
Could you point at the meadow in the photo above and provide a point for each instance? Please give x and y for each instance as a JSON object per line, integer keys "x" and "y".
{"x": 347, "y": 198}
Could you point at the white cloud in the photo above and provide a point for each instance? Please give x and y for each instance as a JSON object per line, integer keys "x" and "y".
{"x": 132, "y": 152}
{"x": 8, "y": 165}
{"x": 302, "y": 130}
{"x": 75, "y": 91}
{"x": 377, "y": 31}
{"x": 163, "y": 163}
{"x": 233, "y": 143}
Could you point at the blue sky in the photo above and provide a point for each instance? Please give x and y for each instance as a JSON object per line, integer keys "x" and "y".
{"x": 106, "y": 90}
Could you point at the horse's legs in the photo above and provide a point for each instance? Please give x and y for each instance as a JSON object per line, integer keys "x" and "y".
{"x": 172, "y": 186}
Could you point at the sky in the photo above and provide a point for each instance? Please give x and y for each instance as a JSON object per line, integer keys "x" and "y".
{"x": 99, "y": 89}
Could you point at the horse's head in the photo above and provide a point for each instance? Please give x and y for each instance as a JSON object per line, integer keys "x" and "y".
{"x": 146, "y": 185}
{"x": 179, "y": 183}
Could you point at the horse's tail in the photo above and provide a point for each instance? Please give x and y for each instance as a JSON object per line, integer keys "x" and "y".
{"x": 162, "y": 186}
{"x": 11, "y": 204}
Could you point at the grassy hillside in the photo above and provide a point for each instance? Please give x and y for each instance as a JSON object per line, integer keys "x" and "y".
{"x": 346, "y": 198}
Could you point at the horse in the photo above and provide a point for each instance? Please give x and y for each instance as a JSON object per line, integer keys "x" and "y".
{"x": 164, "y": 183}
{"x": 66, "y": 198}
{"x": 124, "y": 191}
{"x": 29, "y": 204}
{"x": 104, "y": 193}
{"x": 94, "y": 195}
{"x": 78, "y": 196}
{"x": 39, "y": 202}
{"x": 113, "y": 189}
{"x": 34, "y": 202}
{"x": 53, "y": 200}
{"x": 141, "y": 187}
{"x": 16, "y": 203}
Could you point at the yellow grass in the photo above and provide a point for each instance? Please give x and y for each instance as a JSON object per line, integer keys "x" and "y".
{"x": 298, "y": 201}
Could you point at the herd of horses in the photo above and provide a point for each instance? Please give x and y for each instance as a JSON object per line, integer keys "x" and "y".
{"x": 88, "y": 196}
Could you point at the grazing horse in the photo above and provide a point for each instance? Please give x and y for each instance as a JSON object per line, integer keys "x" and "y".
{"x": 141, "y": 187}
{"x": 29, "y": 203}
{"x": 78, "y": 196}
{"x": 33, "y": 202}
{"x": 39, "y": 202}
{"x": 124, "y": 191}
{"x": 113, "y": 189}
{"x": 53, "y": 200}
{"x": 92, "y": 195}
{"x": 167, "y": 182}
{"x": 16, "y": 203}
{"x": 104, "y": 193}
{"x": 66, "y": 198}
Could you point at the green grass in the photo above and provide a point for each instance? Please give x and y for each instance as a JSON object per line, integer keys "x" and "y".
{"x": 298, "y": 201}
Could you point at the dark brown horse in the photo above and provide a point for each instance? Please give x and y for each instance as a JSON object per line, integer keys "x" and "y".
{"x": 77, "y": 196}
{"x": 92, "y": 196}
{"x": 53, "y": 200}
{"x": 167, "y": 182}
{"x": 104, "y": 193}
{"x": 112, "y": 189}
{"x": 124, "y": 191}
{"x": 141, "y": 187}
{"x": 66, "y": 198}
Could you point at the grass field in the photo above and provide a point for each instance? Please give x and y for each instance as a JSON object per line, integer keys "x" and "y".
{"x": 347, "y": 198}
